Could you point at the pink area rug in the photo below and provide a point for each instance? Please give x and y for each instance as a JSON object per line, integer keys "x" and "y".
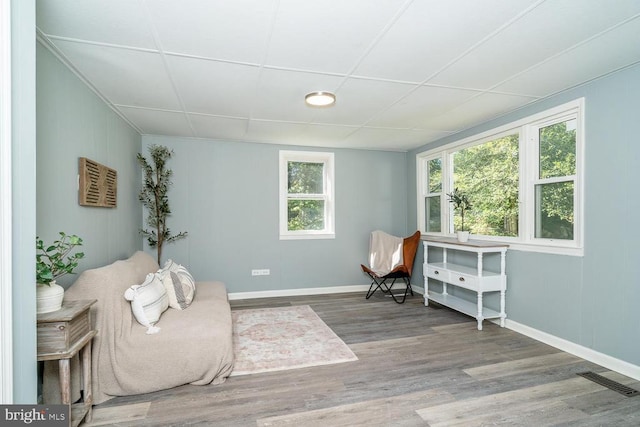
{"x": 276, "y": 339}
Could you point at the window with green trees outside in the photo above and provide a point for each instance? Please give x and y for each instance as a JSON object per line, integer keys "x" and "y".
{"x": 306, "y": 195}
{"x": 523, "y": 181}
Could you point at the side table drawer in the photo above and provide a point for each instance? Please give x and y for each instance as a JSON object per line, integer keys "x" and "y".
{"x": 58, "y": 331}
{"x": 56, "y": 337}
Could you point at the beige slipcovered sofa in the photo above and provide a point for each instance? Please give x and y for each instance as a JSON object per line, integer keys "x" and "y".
{"x": 193, "y": 346}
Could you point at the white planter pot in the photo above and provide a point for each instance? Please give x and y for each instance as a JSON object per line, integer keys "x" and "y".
{"x": 463, "y": 236}
{"x": 49, "y": 297}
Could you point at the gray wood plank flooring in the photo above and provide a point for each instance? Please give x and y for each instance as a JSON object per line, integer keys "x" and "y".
{"x": 418, "y": 366}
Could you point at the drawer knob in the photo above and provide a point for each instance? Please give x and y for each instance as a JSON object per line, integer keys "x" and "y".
{"x": 436, "y": 272}
{"x": 461, "y": 279}
{"x": 61, "y": 327}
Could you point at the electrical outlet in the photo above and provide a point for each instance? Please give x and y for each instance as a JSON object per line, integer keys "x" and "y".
{"x": 261, "y": 272}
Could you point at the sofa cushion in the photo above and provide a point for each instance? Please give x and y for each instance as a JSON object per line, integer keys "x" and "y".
{"x": 179, "y": 283}
{"x": 180, "y": 295}
{"x": 148, "y": 301}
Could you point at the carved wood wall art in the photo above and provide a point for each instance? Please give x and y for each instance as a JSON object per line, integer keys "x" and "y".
{"x": 98, "y": 184}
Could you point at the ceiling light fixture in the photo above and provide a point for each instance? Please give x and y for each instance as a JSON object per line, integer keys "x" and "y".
{"x": 320, "y": 99}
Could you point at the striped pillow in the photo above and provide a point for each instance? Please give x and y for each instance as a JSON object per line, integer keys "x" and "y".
{"x": 148, "y": 301}
{"x": 179, "y": 284}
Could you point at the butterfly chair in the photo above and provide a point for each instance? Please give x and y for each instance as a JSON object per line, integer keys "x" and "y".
{"x": 391, "y": 258}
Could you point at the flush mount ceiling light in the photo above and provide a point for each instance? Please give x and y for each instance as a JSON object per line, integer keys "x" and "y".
{"x": 320, "y": 99}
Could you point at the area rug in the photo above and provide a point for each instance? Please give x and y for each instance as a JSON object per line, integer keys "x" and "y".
{"x": 281, "y": 338}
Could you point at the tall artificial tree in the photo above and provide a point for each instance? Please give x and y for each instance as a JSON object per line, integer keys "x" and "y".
{"x": 154, "y": 197}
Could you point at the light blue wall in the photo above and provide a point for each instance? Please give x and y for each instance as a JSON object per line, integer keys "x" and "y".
{"x": 225, "y": 194}
{"x": 73, "y": 122}
{"x": 592, "y": 300}
{"x": 23, "y": 185}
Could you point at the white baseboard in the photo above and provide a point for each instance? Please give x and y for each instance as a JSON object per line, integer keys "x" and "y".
{"x": 609, "y": 362}
{"x": 311, "y": 291}
{"x": 298, "y": 292}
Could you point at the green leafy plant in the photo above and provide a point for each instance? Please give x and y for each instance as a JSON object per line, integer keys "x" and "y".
{"x": 154, "y": 197}
{"x": 460, "y": 202}
{"x": 55, "y": 260}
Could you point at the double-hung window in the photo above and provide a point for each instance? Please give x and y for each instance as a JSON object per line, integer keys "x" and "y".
{"x": 307, "y": 208}
{"x": 554, "y": 181}
{"x": 524, "y": 182}
{"x": 432, "y": 197}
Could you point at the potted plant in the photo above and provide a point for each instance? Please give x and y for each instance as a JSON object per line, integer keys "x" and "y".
{"x": 52, "y": 262}
{"x": 460, "y": 202}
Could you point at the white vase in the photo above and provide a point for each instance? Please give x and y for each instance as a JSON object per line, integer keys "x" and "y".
{"x": 463, "y": 236}
{"x": 49, "y": 297}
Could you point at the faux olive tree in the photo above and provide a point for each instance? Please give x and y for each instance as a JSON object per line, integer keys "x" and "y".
{"x": 460, "y": 201}
{"x": 154, "y": 197}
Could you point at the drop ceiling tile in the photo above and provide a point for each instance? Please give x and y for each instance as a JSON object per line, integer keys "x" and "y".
{"x": 233, "y": 30}
{"x": 127, "y": 77}
{"x": 213, "y": 87}
{"x": 276, "y": 132}
{"x": 218, "y": 127}
{"x": 358, "y": 100}
{"x": 477, "y": 110}
{"x": 420, "y": 105}
{"x": 391, "y": 139}
{"x": 280, "y": 94}
{"x": 585, "y": 62}
{"x": 156, "y": 122}
{"x": 327, "y": 36}
{"x": 298, "y": 133}
{"x": 429, "y": 35}
{"x": 548, "y": 29}
{"x": 327, "y": 135}
{"x": 121, "y": 22}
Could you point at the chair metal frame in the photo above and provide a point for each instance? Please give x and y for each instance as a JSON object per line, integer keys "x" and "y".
{"x": 403, "y": 271}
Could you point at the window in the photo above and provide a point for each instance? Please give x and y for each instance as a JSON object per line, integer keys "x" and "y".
{"x": 433, "y": 196}
{"x": 554, "y": 184}
{"x": 489, "y": 174}
{"x": 307, "y": 209}
{"x": 523, "y": 181}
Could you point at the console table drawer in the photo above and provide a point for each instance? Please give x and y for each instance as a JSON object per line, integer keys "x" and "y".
{"x": 464, "y": 280}
{"x": 438, "y": 273}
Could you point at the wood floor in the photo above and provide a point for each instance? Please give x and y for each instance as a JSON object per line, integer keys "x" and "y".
{"x": 418, "y": 366}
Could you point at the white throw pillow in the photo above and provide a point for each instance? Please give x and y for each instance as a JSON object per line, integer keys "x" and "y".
{"x": 148, "y": 301}
{"x": 179, "y": 283}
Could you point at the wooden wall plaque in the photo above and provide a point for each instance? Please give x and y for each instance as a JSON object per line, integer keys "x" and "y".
{"x": 98, "y": 184}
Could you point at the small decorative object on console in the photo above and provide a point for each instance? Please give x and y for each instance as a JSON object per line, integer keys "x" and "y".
{"x": 460, "y": 202}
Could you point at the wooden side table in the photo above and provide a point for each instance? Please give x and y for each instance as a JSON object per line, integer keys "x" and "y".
{"x": 62, "y": 334}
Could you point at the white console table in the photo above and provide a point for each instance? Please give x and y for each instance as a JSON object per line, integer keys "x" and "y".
{"x": 475, "y": 279}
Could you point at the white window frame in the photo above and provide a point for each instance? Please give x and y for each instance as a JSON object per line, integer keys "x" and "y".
{"x": 423, "y": 191}
{"x": 527, "y": 128}
{"x": 328, "y": 196}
